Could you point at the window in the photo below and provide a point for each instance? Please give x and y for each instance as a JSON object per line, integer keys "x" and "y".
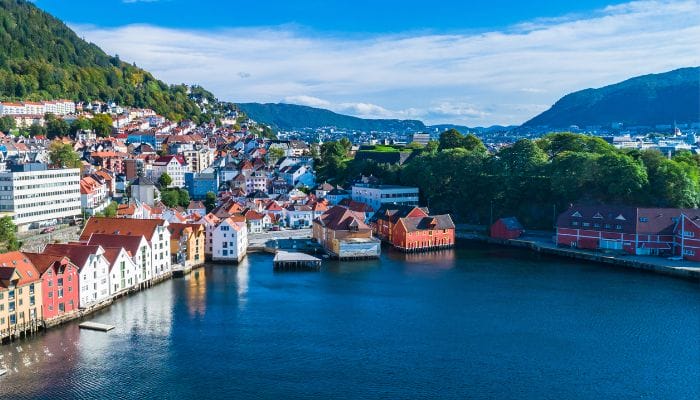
{"x": 586, "y": 224}
{"x": 689, "y": 252}
{"x": 60, "y": 281}
{"x": 618, "y": 227}
{"x": 60, "y": 293}
{"x": 689, "y": 234}
{"x": 32, "y": 301}
{"x": 643, "y": 219}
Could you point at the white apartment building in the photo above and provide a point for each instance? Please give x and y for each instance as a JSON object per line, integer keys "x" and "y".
{"x": 123, "y": 271}
{"x": 36, "y": 196}
{"x": 175, "y": 166}
{"x": 230, "y": 241}
{"x": 56, "y": 107}
{"x": 93, "y": 268}
{"x": 93, "y": 195}
{"x": 377, "y": 195}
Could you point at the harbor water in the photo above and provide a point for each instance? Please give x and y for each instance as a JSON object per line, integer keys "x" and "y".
{"x": 474, "y": 322}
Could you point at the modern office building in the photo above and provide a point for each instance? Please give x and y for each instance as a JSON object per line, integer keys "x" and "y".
{"x": 36, "y": 196}
{"x": 377, "y": 195}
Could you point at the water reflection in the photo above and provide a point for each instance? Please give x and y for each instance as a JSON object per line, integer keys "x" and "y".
{"x": 426, "y": 263}
{"x": 242, "y": 279}
{"x": 197, "y": 292}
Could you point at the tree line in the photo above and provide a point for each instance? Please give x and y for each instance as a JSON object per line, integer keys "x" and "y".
{"x": 532, "y": 179}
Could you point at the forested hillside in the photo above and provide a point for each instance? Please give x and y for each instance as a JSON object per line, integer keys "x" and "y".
{"x": 41, "y": 58}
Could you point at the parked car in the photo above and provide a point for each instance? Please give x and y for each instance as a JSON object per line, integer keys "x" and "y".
{"x": 48, "y": 229}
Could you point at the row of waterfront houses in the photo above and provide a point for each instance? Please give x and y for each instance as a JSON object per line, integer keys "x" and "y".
{"x": 112, "y": 257}
{"x": 633, "y": 230}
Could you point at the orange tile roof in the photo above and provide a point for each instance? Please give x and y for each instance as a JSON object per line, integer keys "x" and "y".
{"x": 16, "y": 261}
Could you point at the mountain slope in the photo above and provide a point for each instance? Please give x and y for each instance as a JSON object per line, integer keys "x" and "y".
{"x": 41, "y": 58}
{"x": 291, "y": 116}
{"x": 645, "y": 100}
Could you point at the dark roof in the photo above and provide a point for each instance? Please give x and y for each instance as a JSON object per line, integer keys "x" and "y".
{"x": 511, "y": 223}
{"x": 431, "y": 222}
{"x": 393, "y": 212}
{"x": 342, "y": 219}
{"x": 632, "y": 220}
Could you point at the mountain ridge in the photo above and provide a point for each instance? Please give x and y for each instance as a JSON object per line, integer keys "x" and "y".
{"x": 645, "y": 100}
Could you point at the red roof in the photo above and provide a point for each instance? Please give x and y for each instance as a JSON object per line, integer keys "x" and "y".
{"x": 16, "y": 262}
{"x": 121, "y": 226}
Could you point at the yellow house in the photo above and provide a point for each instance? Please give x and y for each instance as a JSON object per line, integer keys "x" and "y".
{"x": 20, "y": 295}
{"x": 187, "y": 243}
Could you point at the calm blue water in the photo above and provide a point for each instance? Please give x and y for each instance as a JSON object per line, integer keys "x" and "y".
{"x": 476, "y": 322}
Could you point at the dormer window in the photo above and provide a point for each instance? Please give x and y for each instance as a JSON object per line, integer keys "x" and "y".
{"x": 576, "y": 214}
{"x": 598, "y": 216}
{"x": 620, "y": 218}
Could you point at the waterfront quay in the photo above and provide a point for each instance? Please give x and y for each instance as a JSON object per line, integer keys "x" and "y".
{"x": 542, "y": 242}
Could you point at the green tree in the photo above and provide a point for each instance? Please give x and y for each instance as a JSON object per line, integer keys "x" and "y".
{"x": 451, "y": 139}
{"x": 8, "y": 235}
{"x": 110, "y": 210}
{"x": 473, "y": 143}
{"x": 210, "y": 201}
{"x": 170, "y": 197}
{"x": 7, "y": 124}
{"x": 63, "y": 155}
{"x": 55, "y": 127}
{"x": 164, "y": 180}
{"x": 37, "y": 130}
{"x": 523, "y": 158}
{"x": 80, "y": 124}
{"x": 102, "y": 124}
{"x": 274, "y": 154}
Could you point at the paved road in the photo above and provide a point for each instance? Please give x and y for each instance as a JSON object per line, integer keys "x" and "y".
{"x": 259, "y": 239}
{"x": 36, "y": 241}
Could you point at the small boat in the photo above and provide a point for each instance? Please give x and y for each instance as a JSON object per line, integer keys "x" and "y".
{"x": 2, "y": 371}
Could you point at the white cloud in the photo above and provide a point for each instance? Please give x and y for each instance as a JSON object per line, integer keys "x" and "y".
{"x": 501, "y": 77}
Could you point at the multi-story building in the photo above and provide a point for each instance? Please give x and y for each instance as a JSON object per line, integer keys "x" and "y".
{"x": 187, "y": 243}
{"x": 345, "y": 235}
{"x": 59, "y": 284}
{"x": 378, "y": 195}
{"x": 410, "y": 228}
{"x": 93, "y": 195}
{"x": 154, "y": 230}
{"x": 36, "y": 195}
{"x": 175, "y": 166}
{"x": 20, "y": 294}
{"x": 93, "y": 267}
{"x": 639, "y": 231}
{"x": 230, "y": 240}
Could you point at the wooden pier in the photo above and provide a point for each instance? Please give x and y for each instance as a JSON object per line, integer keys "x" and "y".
{"x": 289, "y": 261}
{"x": 95, "y": 326}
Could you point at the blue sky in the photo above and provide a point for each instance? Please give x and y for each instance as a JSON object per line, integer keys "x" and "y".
{"x": 491, "y": 62}
{"x": 364, "y": 16}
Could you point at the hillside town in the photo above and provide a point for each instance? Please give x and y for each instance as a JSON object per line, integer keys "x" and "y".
{"x": 152, "y": 198}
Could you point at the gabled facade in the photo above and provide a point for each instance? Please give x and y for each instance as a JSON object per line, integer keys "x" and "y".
{"x": 20, "y": 294}
{"x": 154, "y": 230}
{"x": 412, "y": 228}
{"x": 639, "y": 231}
{"x": 59, "y": 284}
{"x": 93, "y": 269}
{"x": 187, "y": 242}
{"x": 230, "y": 240}
{"x": 344, "y": 234}
{"x": 138, "y": 249}
{"x": 123, "y": 271}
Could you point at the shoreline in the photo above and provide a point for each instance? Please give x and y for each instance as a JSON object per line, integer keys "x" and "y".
{"x": 658, "y": 265}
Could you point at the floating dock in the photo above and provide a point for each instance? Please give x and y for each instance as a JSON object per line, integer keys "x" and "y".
{"x": 95, "y": 326}
{"x": 290, "y": 261}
